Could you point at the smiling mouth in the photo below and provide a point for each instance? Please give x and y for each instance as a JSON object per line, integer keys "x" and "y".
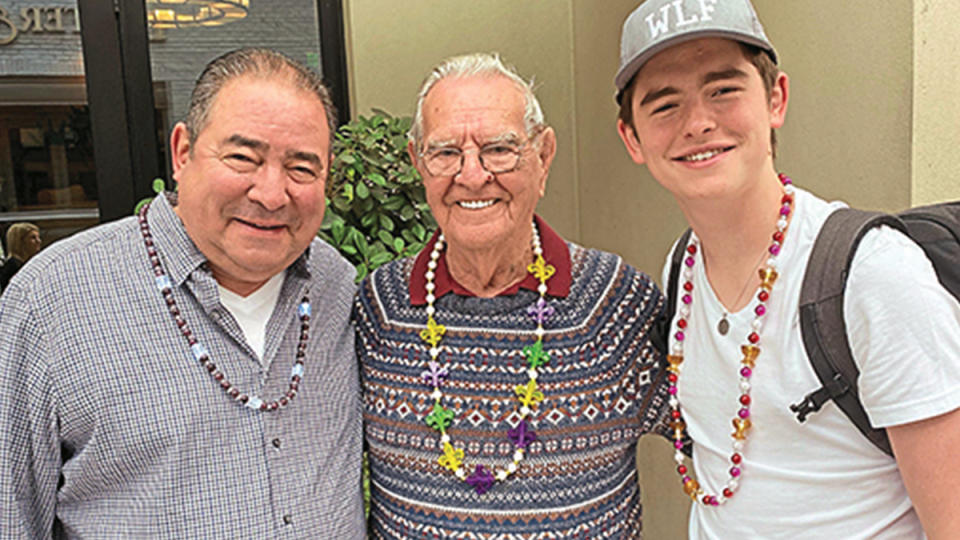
{"x": 477, "y": 205}
{"x": 260, "y": 226}
{"x": 703, "y": 156}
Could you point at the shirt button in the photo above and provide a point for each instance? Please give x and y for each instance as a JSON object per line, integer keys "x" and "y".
{"x": 287, "y": 519}
{"x": 275, "y": 443}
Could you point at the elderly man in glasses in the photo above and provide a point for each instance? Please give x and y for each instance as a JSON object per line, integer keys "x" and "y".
{"x": 507, "y": 373}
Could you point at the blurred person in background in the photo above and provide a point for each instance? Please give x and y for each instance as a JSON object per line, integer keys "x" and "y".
{"x": 23, "y": 242}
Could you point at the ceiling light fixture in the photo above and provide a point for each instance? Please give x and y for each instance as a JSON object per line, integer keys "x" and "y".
{"x": 187, "y": 13}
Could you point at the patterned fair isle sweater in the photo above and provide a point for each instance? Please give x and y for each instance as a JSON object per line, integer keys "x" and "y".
{"x": 603, "y": 388}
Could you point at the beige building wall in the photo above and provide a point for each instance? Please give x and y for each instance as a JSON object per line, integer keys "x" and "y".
{"x": 872, "y": 119}
{"x": 936, "y": 109}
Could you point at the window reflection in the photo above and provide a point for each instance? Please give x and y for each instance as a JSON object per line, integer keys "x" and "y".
{"x": 49, "y": 162}
{"x": 47, "y": 173}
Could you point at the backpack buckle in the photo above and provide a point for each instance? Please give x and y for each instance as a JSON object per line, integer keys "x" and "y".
{"x": 814, "y": 401}
{"x": 810, "y": 404}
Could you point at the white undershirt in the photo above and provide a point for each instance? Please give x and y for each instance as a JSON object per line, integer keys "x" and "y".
{"x": 253, "y": 311}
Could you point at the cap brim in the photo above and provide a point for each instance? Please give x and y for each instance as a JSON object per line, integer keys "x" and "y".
{"x": 626, "y": 74}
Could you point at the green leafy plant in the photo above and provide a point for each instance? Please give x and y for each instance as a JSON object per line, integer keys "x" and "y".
{"x": 158, "y": 186}
{"x": 376, "y": 207}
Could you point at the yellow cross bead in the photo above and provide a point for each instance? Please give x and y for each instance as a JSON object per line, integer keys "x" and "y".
{"x": 750, "y": 353}
{"x": 741, "y": 425}
{"x": 675, "y": 361}
{"x": 768, "y": 276}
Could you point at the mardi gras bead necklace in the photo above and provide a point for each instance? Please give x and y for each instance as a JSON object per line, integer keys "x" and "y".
{"x": 750, "y": 350}
{"x": 528, "y": 396}
{"x": 200, "y": 352}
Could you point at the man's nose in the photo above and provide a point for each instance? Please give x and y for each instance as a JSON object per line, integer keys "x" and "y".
{"x": 472, "y": 173}
{"x": 269, "y": 188}
{"x": 699, "y": 119}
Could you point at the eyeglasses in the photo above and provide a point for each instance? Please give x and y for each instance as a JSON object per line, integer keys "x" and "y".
{"x": 495, "y": 158}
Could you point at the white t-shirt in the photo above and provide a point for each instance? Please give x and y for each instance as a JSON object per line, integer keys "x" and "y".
{"x": 253, "y": 311}
{"x": 821, "y": 479}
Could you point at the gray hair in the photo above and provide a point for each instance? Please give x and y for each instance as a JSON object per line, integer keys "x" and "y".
{"x": 254, "y": 62}
{"x": 477, "y": 65}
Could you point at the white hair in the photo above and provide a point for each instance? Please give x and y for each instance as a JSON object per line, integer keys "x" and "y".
{"x": 477, "y": 65}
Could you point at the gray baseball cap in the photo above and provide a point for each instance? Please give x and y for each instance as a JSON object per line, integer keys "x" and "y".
{"x": 658, "y": 24}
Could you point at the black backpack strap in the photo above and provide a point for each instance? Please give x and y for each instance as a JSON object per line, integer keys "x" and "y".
{"x": 821, "y": 318}
{"x": 936, "y": 228}
{"x": 661, "y": 332}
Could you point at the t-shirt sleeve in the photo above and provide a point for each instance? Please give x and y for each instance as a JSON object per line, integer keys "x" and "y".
{"x": 904, "y": 331}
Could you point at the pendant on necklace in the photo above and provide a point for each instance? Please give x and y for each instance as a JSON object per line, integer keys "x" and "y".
{"x": 723, "y": 326}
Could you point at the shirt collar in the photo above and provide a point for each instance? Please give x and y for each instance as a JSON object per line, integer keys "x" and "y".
{"x": 555, "y": 252}
{"x": 180, "y": 255}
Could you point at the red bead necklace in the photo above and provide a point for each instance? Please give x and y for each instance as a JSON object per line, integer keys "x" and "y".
{"x": 750, "y": 350}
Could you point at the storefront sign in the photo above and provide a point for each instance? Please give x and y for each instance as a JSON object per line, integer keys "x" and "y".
{"x": 38, "y": 20}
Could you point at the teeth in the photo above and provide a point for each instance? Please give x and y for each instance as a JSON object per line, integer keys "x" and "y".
{"x": 702, "y": 155}
{"x": 476, "y": 205}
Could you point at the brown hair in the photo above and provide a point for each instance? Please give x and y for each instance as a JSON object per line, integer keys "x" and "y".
{"x": 758, "y": 57}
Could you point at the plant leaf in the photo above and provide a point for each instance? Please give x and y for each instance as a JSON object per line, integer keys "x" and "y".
{"x": 386, "y": 222}
{"x": 362, "y": 190}
{"x": 337, "y": 231}
{"x": 420, "y": 232}
{"x": 385, "y": 237}
{"x": 380, "y": 259}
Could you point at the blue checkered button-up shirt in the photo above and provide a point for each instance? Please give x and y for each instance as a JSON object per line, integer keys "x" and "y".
{"x": 110, "y": 429}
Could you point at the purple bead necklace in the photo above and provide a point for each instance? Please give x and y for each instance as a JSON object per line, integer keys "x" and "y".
{"x": 200, "y": 352}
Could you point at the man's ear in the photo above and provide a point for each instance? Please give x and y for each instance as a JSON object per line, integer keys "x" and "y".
{"x": 629, "y": 137}
{"x": 779, "y": 97}
{"x": 546, "y": 152}
{"x": 180, "y": 148}
{"x": 414, "y": 158}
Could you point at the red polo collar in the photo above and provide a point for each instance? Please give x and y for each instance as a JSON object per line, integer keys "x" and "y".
{"x": 555, "y": 252}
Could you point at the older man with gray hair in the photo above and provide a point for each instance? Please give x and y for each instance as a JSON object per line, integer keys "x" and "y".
{"x": 162, "y": 376}
{"x": 507, "y": 374}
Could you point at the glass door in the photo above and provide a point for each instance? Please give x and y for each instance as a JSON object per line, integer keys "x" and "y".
{"x": 47, "y": 173}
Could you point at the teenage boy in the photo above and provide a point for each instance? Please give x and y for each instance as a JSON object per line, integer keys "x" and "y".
{"x": 700, "y": 95}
